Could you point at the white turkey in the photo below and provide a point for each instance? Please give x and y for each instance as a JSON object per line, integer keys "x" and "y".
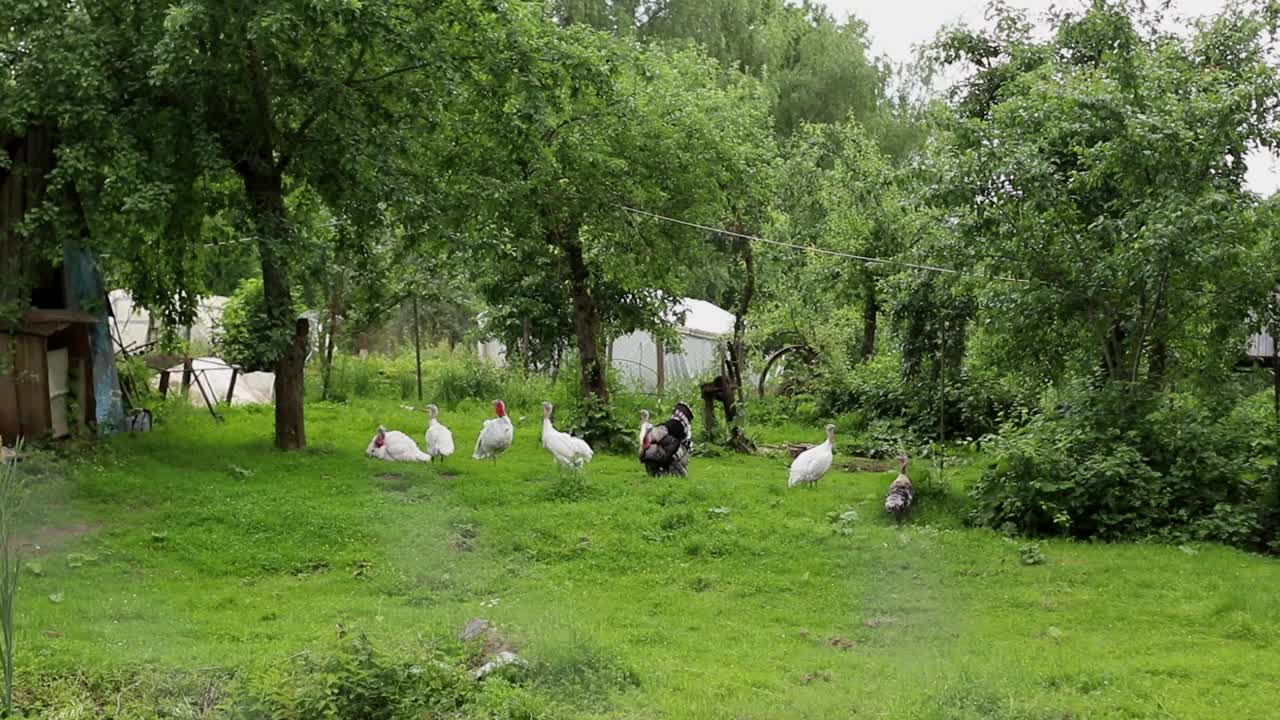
{"x": 810, "y": 465}
{"x": 496, "y": 435}
{"x": 665, "y": 449}
{"x": 898, "y": 502}
{"x": 569, "y": 451}
{"x": 395, "y": 446}
{"x": 439, "y": 438}
{"x": 645, "y": 426}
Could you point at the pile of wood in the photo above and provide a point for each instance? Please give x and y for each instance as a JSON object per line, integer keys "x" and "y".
{"x": 796, "y": 448}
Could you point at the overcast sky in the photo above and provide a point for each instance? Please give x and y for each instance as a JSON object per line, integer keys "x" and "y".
{"x": 898, "y": 26}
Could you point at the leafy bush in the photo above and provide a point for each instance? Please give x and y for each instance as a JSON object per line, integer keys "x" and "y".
{"x": 355, "y": 682}
{"x": 469, "y": 378}
{"x": 1106, "y": 465}
{"x": 245, "y": 335}
{"x": 599, "y": 425}
{"x": 974, "y": 404}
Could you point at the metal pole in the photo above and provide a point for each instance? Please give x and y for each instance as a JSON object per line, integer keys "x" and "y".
{"x": 417, "y": 345}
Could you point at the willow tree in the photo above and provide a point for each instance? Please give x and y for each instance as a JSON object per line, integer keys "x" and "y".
{"x": 814, "y": 67}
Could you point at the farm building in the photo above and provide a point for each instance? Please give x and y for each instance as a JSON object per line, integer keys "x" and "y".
{"x": 57, "y": 368}
{"x": 1262, "y": 348}
{"x": 645, "y": 364}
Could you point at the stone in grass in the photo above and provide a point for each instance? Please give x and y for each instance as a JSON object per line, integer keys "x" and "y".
{"x": 502, "y": 659}
{"x": 497, "y": 651}
{"x": 475, "y": 629}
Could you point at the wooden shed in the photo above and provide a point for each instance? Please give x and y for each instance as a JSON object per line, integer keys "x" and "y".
{"x": 46, "y": 374}
{"x": 57, "y": 366}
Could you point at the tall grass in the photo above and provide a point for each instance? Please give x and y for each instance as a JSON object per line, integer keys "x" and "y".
{"x": 448, "y": 379}
{"x": 10, "y": 564}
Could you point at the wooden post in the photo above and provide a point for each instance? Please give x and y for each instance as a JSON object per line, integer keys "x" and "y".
{"x": 525, "y": 344}
{"x": 661, "y": 367}
{"x": 231, "y": 389}
{"x": 709, "y": 413}
{"x": 164, "y": 383}
{"x": 417, "y": 345}
{"x": 186, "y": 375}
{"x": 1275, "y": 365}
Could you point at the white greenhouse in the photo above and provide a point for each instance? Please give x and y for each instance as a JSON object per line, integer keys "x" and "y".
{"x": 638, "y": 356}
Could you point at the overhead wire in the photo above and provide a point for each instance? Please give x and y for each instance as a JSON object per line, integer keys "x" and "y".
{"x": 826, "y": 251}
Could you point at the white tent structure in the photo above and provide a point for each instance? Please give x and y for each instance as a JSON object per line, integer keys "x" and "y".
{"x": 131, "y": 329}
{"x": 132, "y": 325}
{"x": 214, "y": 374}
{"x": 641, "y": 360}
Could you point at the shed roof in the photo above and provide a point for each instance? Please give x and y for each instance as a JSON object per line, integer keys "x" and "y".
{"x": 47, "y": 322}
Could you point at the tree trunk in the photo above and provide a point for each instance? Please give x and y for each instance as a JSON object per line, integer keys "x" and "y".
{"x": 266, "y": 200}
{"x": 1113, "y": 353}
{"x": 1158, "y": 365}
{"x": 417, "y": 346}
{"x": 291, "y": 432}
{"x": 586, "y": 319}
{"x": 525, "y": 346}
{"x": 870, "y": 319}
{"x": 660, "y": 366}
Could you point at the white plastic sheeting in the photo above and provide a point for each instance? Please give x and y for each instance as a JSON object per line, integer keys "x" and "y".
{"x": 635, "y": 355}
{"x": 131, "y": 322}
{"x": 256, "y": 388}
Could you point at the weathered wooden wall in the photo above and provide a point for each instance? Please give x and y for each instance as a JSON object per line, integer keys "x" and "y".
{"x": 24, "y": 386}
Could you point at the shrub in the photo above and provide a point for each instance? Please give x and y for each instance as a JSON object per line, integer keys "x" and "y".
{"x": 355, "y": 682}
{"x": 974, "y": 404}
{"x": 1106, "y": 465}
{"x": 245, "y": 335}
{"x": 468, "y": 378}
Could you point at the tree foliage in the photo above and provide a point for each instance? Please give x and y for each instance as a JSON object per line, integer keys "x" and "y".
{"x": 1105, "y": 168}
{"x": 594, "y": 127}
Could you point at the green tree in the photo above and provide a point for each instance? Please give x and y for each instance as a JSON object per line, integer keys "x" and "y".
{"x": 837, "y": 192}
{"x": 1105, "y": 167}
{"x": 815, "y": 68}
{"x": 594, "y": 125}
{"x": 156, "y": 107}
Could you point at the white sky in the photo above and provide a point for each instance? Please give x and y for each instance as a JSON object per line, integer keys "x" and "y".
{"x": 896, "y": 27}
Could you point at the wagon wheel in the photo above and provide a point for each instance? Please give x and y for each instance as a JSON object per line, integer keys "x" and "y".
{"x": 768, "y": 365}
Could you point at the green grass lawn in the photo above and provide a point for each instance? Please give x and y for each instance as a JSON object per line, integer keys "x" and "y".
{"x": 197, "y": 548}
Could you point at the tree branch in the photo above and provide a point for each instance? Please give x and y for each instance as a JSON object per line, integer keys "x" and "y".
{"x": 298, "y": 136}
{"x": 391, "y": 73}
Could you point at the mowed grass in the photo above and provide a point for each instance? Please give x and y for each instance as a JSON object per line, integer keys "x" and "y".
{"x": 198, "y": 548}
